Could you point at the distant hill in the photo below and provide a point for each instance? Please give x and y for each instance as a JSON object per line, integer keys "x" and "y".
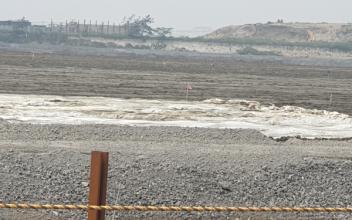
{"x": 292, "y": 32}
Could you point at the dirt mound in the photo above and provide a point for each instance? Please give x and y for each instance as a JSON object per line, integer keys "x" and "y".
{"x": 294, "y": 32}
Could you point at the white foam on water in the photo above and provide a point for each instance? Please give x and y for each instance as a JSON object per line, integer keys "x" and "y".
{"x": 271, "y": 120}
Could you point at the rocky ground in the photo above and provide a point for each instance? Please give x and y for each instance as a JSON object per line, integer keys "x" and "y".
{"x": 173, "y": 166}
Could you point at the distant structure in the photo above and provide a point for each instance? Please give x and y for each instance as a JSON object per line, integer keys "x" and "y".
{"x": 68, "y": 27}
{"x": 17, "y": 25}
{"x": 39, "y": 28}
{"x": 92, "y": 27}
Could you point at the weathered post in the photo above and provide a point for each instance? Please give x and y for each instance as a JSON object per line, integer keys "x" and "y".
{"x": 128, "y": 28}
{"x": 98, "y": 183}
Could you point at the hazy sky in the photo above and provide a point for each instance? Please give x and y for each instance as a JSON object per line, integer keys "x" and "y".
{"x": 181, "y": 14}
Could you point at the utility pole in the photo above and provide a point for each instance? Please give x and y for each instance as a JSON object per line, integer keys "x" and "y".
{"x": 330, "y": 98}
{"x": 128, "y": 28}
{"x": 78, "y": 26}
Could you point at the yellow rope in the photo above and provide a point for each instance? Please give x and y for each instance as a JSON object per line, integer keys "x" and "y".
{"x": 174, "y": 208}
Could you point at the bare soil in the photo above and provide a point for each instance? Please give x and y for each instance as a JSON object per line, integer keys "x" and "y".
{"x": 294, "y": 32}
{"x": 156, "y": 77}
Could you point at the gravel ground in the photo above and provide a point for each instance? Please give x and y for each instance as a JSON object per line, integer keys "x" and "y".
{"x": 172, "y": 166}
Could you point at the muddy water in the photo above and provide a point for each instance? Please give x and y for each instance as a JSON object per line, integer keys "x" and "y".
{"x": 271, "y": 120}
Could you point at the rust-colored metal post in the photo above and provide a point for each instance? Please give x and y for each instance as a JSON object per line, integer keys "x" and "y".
{"x": 98, "y": 183}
